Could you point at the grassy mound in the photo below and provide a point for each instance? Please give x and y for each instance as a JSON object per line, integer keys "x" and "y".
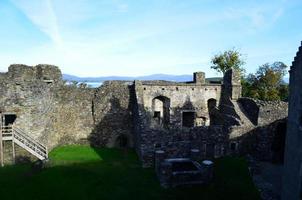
{"x": 82, "y": 172}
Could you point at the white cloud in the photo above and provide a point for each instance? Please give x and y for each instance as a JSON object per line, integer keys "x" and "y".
{"x": 103, "y": 37}
{"x": 41, "y": 13}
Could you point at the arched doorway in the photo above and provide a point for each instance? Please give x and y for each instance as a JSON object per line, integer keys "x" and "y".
{"x": 161, "y": 110}
{"x": 212, "y": 103}
{"x": 122, "y": 141}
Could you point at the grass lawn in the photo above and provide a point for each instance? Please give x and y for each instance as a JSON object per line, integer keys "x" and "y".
{"x": 81, "y": 172}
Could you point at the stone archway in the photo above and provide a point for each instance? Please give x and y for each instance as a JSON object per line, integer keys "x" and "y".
{"x": 122, "y": 141}
{"x": 161, "y": 110}
{"x": 212, "y": 103}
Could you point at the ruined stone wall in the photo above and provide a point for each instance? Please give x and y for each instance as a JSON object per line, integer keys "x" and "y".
{"x": 251, "y": 108}
{"x": 123, "y": 114}
{"x": 112, "y": 112}
{"x": 211, "y": 141}
{"x": 55, "y": 114}
{"x": 246, "y": 126}
{"x": 270, "y": 111}
{"x": 292, "y": 177}
{"x": 264, "y": 136}
{"x": 176, "y": 140}
{"x": 29, "y": 98}
{"x": 182, "y": 97}
{"x": 71, "y": 119}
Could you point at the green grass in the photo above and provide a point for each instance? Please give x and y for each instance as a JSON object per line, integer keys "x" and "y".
{"x": 81, "y": 172}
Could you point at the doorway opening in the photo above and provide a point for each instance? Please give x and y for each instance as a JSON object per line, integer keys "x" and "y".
{"x": 161, "y": 110}
{"x": 188, "y": 119}
{"x": 122, "y": 141}
{"x": 8, "y": 119}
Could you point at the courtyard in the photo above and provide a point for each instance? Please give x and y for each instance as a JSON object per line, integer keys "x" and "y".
{"x": 83, "y": 172}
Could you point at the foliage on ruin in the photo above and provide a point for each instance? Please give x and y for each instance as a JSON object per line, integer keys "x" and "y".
{"x": 230, "y": 59}
{"x": 267, "y": 83}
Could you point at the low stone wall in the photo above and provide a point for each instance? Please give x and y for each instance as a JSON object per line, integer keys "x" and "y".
{"x": 210, "y": 141}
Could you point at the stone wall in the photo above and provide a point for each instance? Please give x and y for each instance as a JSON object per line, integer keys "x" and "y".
{"x": 270, "y": 111}
{"x": 238, "y": 125}
{"x": 173, "y": 136}
{"x": 292, "y": 177}
{"x": 147, "y": 115}
{"x": 182, "y": 97}
{"x": 211, "y": 141}
{"x": 55, "y": 113}
{"x": 112, "y": 113}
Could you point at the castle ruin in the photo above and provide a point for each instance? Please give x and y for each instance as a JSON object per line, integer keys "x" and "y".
{"x": 146, "y": 115}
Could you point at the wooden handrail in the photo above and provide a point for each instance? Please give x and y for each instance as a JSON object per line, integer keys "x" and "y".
{"x": 23, "y": 134}
{"x": 18, "y": 135}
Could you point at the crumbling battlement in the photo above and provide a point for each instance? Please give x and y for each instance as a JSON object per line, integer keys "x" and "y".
{"x": 48, "y": 73}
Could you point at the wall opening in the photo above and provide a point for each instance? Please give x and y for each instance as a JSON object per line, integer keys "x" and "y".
{"x": 122, "y": 141}
{"x": 201, "y": 121}
{"x": 161, "y": 110}
{"x": 278, "y": 144}
{"x": 234, "y": 146}
{"x": 8, "y": 119}
{"x": 188, "y": 119}
{"x": 212, "y": 103}
{"x": 156, "y": 115}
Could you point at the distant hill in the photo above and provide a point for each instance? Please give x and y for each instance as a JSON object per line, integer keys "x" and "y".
{"x": 166, "y": 77}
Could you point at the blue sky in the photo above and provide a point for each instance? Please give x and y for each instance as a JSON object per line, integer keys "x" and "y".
{"x": 141, "y": 37}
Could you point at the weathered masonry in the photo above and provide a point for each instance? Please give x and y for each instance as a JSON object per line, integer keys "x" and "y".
{"x": 146, "y": 115}
{"x": 178, "y": 104}
{"x": 292, "y": 173}
{"x": 211, "y": 118}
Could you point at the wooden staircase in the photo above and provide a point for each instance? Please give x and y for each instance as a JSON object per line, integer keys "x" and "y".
{"x": 19, "y": 137}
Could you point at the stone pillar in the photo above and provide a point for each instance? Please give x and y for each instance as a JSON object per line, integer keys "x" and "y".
{"x": 195, "y": 154}
{"x": 208, "y": 167}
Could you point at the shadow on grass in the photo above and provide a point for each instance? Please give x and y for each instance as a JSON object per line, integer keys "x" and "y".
{"x": 109, "y": 174}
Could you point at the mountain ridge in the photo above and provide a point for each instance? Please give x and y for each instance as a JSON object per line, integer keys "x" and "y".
{"x": 167, "y": 77}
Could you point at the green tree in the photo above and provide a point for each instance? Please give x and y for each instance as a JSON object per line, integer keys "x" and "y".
{"x": 267, "y": 83}
{"x": 228, "y": 59}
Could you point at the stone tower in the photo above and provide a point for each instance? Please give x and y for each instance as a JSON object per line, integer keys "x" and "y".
{"x": 292, "y": 173}
{"x": 199, "y": 78}
{"x": 232, "y": 84}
